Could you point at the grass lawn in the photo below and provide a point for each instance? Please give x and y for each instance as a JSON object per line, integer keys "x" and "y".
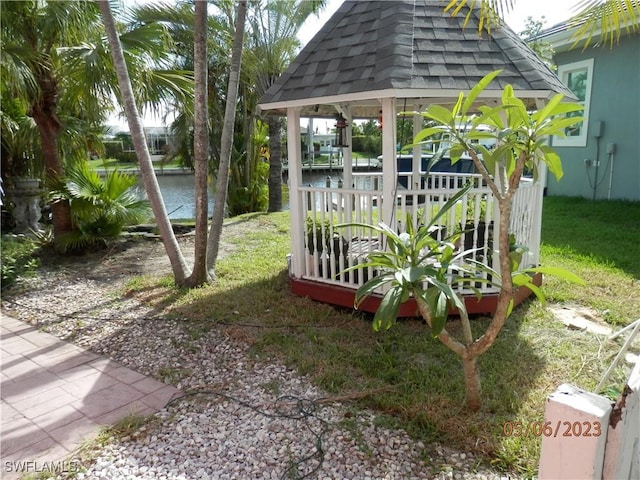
{"x": 411, "y": 380}
{"x": 111, "y": 163}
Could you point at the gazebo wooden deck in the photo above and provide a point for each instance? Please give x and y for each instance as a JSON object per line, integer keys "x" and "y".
{"x": 375, "y": 59}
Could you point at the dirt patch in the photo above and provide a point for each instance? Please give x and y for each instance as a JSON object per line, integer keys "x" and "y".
{"x": 144, "y": 254}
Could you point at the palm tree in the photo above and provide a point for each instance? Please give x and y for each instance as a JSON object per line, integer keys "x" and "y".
{"x": 272, "y": 46}
{"x": 31, "y": 34}
{"x": 222, "y": 181}
{"x": 176, "y": 258}
{"x": 53, "y": 58}
{"x": 199, "y": 273}
{"x": 609, "y": 17}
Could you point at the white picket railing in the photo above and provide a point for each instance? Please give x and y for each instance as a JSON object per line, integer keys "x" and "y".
{"x": 329, "y": 249}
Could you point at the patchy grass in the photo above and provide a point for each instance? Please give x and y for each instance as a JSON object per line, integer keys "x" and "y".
{"x": 599, "y": 242}
{"x": 111, "y": 163}
{"x": 407, "y": 377}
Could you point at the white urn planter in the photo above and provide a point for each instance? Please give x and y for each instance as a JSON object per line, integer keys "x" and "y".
{"x": 25, "y": 197}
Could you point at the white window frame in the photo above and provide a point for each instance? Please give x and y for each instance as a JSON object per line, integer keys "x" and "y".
{"x": 563, "y": 72}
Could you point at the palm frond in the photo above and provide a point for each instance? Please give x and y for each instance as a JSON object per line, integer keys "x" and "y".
{"x": 100, "y": 207}
{"x": 604, "y": 20}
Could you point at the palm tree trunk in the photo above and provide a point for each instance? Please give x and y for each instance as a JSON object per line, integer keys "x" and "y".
{"x": 44, "y": 115}
{"x": 199, "y": 274}
{"x": 275, "y": 164}
{"x": 222, "y": 182}
{"x": 171, "y": 246}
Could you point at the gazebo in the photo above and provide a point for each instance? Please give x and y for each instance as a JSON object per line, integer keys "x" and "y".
{"x": 377, "y": 59}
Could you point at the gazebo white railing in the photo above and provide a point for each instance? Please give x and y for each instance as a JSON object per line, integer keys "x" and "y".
{"x": 330, "y": 248}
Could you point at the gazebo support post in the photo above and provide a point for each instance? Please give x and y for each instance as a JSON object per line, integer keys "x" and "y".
{"x": 417, "y": 150}
{"x": 347, "y": 171}
{"x": 294, "y": 149}
{"x": 389, "y": 162}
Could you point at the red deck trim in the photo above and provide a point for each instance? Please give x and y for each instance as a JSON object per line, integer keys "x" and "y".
{"x": 343, "y": 297}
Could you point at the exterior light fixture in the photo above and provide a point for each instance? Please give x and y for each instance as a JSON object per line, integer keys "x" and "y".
{"x": 341, "y": 131}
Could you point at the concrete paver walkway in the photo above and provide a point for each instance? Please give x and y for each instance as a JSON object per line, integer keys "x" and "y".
{"x": 54, "y": 395}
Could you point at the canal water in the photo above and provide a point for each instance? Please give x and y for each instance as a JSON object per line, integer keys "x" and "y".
{"x": 178, "y": 191}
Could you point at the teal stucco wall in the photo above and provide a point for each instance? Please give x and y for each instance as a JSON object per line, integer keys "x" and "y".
{"x": 615, "y": 101}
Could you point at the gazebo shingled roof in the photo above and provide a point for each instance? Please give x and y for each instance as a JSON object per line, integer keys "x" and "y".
{"x": 404, "y": 48}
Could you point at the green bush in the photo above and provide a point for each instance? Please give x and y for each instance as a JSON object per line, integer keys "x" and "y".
{"x": 127, "y": 157}
{"x": 369, "y": 144}
{"x": 18, "y": 258}
{"x": 100, "y": 207}
{"x": 112, "y": 149}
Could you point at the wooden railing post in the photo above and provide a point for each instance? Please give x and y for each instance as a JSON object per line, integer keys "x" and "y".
{"x": 574, "y": 435}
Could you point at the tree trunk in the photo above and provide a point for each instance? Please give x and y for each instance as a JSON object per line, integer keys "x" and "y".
{"x": 171, "y": 246}
{"x": 275, "y": 164}
{"x": 222, "y": 182}
{"x": 44, "y": 115}
{"x": 199, "y": 275}
{"x": 472, "y": 383}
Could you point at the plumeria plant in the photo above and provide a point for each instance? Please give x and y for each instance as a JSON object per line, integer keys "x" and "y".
{"x": 417, "y": 264}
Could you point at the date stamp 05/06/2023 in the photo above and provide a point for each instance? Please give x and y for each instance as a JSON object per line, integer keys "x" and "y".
{"x": 552, "y": 429}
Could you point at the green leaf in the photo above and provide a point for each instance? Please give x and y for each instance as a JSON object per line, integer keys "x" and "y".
{"x": 557, "y": 126}
{"x": 368, "y": 288}
{"x": 553, "y": 161}
{"x": 426, "y": 133}
{"x": 387, "y": 312}
{"x": 488, "y": 158}
{"x": 490, "y": 116}
{"x": 440, "y": 312}
{"x": 547, "y": 109}
{"x": 557, "y": 272}
{"x": 450, "y": 203}
{"x": 447, "y": 290}
{"x": 413, "y": 274}
{"x": 455, "y": 152}
{"x": 477, "y": 89}
{"x": 439, "y": 114}
{"x": 525, "y": 280}
{"x": 565, "y": 108}
{"x": 517, "y": 114}
{"x": 507, "y": 94}
{"x": 456, "y": 108}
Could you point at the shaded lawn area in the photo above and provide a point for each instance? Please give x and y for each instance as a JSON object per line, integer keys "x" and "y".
{"x": 407, "y": 377}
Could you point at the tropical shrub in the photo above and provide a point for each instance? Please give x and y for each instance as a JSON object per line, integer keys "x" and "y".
{"x": 18, "y": 258}
{"x": 248, "y": 178}
{"x": 100, "y": 208}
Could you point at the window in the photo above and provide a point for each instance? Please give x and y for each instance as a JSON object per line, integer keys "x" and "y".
{"x": 577, "y": 76}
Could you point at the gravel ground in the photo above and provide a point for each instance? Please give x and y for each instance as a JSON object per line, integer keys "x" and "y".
{"x": 241, "y": 418}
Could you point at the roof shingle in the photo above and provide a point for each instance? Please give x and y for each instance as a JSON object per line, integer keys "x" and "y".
{"x": 413, "y": 44}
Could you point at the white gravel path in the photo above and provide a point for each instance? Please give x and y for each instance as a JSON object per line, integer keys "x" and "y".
{"x": 258, "y": 421}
